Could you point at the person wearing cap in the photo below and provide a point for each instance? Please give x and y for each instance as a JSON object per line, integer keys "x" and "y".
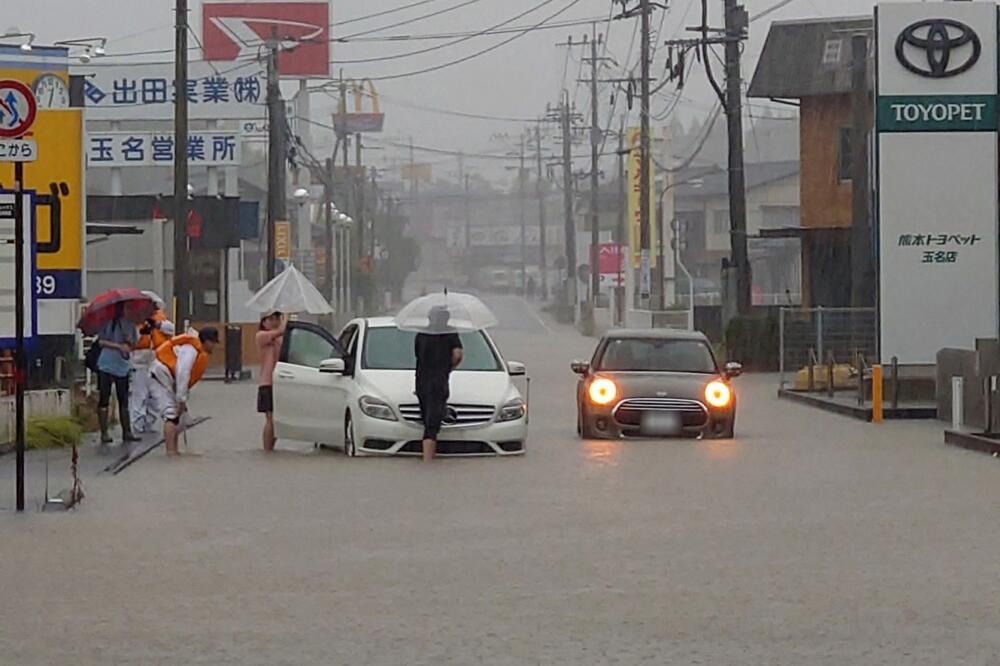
{"x": 180, "y": 363}
{"x": 152, "y": 333}
{"x": 438, "y": 352}
{"x": 269, "y": 340}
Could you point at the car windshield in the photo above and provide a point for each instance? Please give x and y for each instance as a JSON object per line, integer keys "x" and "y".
{"x": 388, "y": 348}
{"x": 657, "y": 355}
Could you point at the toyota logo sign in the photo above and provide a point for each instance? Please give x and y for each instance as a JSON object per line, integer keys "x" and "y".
{"x": 938, "y": 48}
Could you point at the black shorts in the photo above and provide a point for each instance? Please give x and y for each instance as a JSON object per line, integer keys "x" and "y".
{"x": 265, "y": 399}
{"x": 433, "y": 405}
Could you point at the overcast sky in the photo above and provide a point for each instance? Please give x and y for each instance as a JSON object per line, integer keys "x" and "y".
{"x": 516, "y": 80}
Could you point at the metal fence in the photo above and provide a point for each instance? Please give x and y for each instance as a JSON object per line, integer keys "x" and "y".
{"x": 826, "y": 336}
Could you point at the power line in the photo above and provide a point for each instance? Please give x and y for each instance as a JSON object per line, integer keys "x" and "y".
{"x": 416, "y": 19}
{"x": 479, "y": 53}
{"x": 382, "y": 13}
{"x": 453, "y": 42}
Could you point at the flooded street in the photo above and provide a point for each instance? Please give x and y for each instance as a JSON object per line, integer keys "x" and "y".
{"x": 810, "y": 539}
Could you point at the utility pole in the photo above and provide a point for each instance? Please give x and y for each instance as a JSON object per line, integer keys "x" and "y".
{"x": 736, "y": 28}
{"x": 540, "y": 191}
{"x": 276, "y": 208}
{"x": 524, "y": 226}
{"x": 621, "y": 233}
{"x": 463, "y": 180}
{"x": 645, "y": 177}
{"x": 566, "y": 121}
{"x": 181, "y": 293}
{"x": 596, "y": 138}
{"x": 860, "y": 229}
{"x": 328, "y": 229}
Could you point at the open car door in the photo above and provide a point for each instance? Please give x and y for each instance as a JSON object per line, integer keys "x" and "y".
{"x": 310, "y": 388}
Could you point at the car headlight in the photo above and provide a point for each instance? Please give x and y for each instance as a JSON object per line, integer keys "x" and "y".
{"x": 718, "y": 394}
{"x": 377, "y": 409}
{"x": 512, "y": 411}
{"x": 602, "y": 391}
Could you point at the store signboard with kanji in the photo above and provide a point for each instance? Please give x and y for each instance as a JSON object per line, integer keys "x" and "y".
{"x": 146, "y": 92}
{"x": 132, "y": 149}
{"x": 936, "y": 171}
{"x": 8, "y": 249}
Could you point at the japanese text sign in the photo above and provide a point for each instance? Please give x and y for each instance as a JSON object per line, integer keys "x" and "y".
{"x": 130, "y": 149}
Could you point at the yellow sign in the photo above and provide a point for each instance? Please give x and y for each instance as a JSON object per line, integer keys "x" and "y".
{"x": 417, "y": 171}
{"x": 633, "y": 138}
{"x": 57, "y": 177}
{"x": 283, "y": 241}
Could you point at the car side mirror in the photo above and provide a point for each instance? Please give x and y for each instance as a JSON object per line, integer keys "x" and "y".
{"x": 333, "y": 366}
{"x": 580, "y": 367}
{"x": 733, "y": 369}
{"x": 516, "y": 369}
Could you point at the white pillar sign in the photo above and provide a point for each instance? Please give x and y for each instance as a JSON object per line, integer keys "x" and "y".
{"x": 936, "y": 124}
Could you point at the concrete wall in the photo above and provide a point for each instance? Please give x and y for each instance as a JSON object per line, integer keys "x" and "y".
{"x": 975, "y": 367}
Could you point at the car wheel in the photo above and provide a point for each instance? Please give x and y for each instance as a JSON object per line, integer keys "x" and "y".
{"x": 350, "y": 447}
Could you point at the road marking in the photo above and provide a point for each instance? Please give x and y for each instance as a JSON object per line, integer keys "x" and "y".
{"x": 534, "y": 314}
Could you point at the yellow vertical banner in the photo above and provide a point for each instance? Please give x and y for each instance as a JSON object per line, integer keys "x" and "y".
{"x": 283, "y": 240}
{"x": 633, "y": 142}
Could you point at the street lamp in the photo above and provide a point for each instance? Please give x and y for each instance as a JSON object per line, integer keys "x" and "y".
{"x": 25, "y": 46}
{"x": 93, "y": 47}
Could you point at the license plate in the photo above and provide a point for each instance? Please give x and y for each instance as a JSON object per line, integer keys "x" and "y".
{"x": 660, "y": 424}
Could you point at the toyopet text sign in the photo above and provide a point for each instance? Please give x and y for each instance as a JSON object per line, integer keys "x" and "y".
{"x": 937, "y": 176}
{"x": 238, "y": 31}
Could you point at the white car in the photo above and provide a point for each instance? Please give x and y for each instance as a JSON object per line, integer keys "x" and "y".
{"x": 356, "y": 391}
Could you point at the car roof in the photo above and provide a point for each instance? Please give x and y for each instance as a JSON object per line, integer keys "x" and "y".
{"x": 655, "y": 334}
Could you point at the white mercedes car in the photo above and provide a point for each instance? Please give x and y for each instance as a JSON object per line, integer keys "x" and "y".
{"x": 355, "y": 391}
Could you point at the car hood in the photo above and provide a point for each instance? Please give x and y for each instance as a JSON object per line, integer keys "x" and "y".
{"x": 474, "y": 388}
{"x": 660, "y": 384}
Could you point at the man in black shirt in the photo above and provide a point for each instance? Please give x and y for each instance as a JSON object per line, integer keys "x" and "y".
{"x": 437, "y": 354}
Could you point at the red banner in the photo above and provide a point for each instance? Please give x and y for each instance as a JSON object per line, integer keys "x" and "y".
{"x": 234, "y": 31}
{"x": 610, "y": 257}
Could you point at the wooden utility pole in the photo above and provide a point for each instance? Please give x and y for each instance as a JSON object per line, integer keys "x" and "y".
{"x": 860, "y": 228}
{"x": 328, "y": 230}
{"x": 566, "y": 121}
{"x": 645, "y": 177}
{"x": 596, "y": 138}
{"x": 524, "y": 225}
{"x": 540, "y": 192}
{"x": 736, "y": 27}
{"x": 276, "y": 206}
{"x": 181, "y": 290}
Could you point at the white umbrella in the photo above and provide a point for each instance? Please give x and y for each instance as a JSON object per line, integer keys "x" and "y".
{"x": 290, "y": 292}
{"x": 445, "y": 313}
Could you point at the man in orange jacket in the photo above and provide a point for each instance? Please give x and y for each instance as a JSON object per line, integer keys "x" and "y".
{"x": 154, "y": 332}
{"x": 180, "y": 363}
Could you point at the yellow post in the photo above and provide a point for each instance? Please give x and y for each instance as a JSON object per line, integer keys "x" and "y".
{"x": 876, "y": 394}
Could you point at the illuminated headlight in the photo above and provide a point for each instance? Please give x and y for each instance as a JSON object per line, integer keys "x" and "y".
{"x": 512, "y": 411}
{"x": 718, "y": 394}
{"x": 602, "y": 391}
{"x": 377, "y": 409}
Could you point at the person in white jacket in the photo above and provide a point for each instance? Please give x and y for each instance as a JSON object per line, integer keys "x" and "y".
{"x": 152, "y": 333}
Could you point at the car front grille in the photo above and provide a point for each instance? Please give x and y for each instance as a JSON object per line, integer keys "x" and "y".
{"x": 693, "y": 413}
{"x": 455, "y": 415}
{"x": 450, "y": 448}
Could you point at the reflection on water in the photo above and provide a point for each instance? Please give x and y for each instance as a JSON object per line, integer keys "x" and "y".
{"x": 603, "y": 451}
{"x": 720, "y": 449}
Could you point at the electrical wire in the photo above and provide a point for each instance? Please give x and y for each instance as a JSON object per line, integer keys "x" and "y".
{"x": 459, "y": 40}
{"x": 472, "y": 56}
{"x": 416, "y": 19}
{"x": 385, "y": 12}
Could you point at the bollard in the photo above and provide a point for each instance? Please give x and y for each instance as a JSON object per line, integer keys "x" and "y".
{"x": 876, "y": 394}
{"x": 830, "y": 370}
{"x": 895, "y": 383}
{"x": 957, "y": 407}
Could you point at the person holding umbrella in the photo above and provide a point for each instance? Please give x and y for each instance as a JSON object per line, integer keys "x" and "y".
{"x": 116, "y": 339}
{"x": 438, "y": 352}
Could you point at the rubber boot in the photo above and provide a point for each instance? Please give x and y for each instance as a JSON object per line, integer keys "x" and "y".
{"x": 102, "y": 420}
{"x": 126, "y": 421}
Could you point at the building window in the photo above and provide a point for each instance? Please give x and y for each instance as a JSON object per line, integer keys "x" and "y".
{"x": 720, "y": 222}
{"x": 832, "y": 51}
{"x": 844, "y": 166}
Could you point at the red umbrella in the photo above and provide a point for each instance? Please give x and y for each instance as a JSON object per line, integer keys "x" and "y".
{"x": 136, "y": 308}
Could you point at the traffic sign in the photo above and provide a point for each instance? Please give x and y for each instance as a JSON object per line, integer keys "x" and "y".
{"x": 8, "y": 267}
{"x": 18, "y": 109}
{"x": 18, "y": 150}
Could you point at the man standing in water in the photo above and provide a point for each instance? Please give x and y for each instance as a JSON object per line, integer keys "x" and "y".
{"x": 437, "y": 355}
